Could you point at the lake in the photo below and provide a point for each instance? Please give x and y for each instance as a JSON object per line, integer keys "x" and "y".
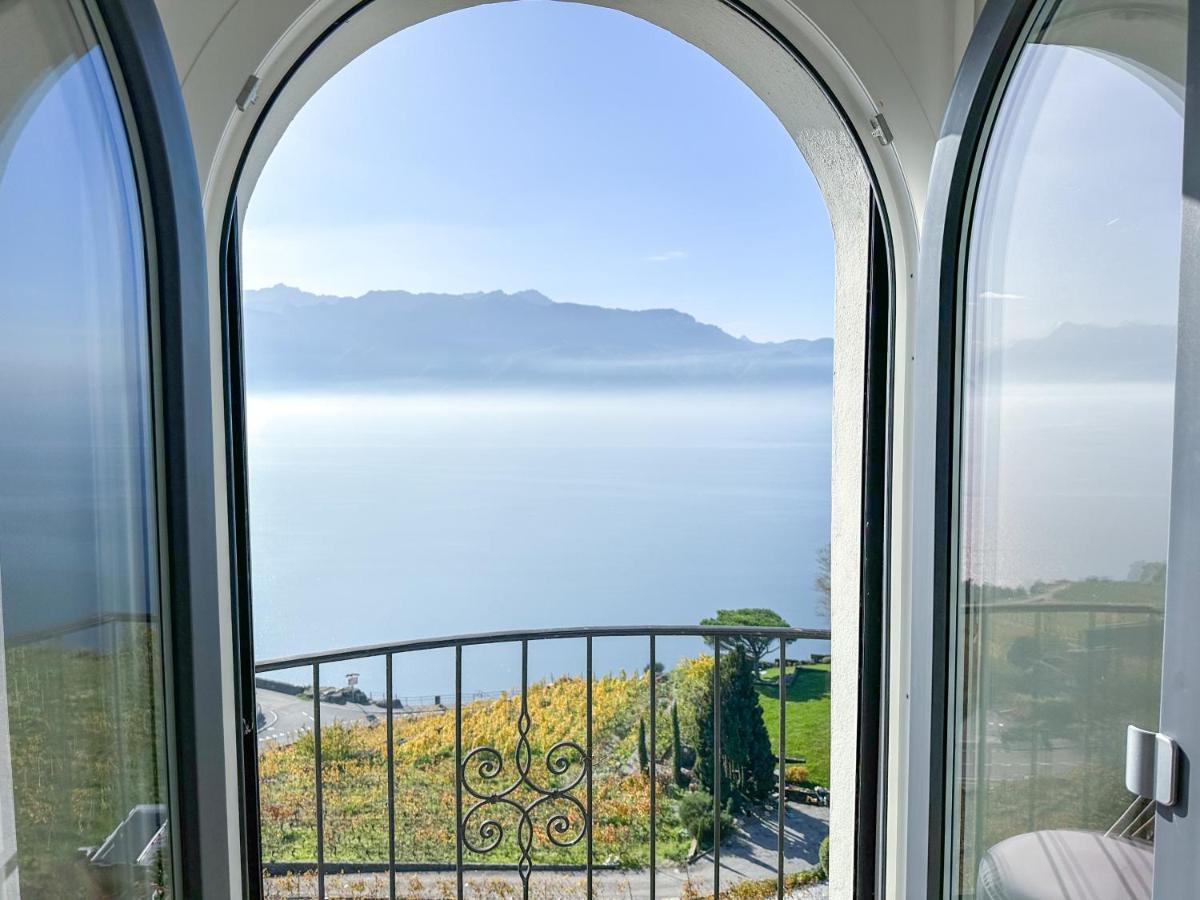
{"x": 1068, "y": 481}
{"x": 378, "y": 518}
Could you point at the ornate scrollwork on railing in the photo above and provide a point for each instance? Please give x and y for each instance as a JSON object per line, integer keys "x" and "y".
{"x": 481, "y": 830}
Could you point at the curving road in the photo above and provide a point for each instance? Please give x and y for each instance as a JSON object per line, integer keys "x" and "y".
{"x": 286, "y": 717}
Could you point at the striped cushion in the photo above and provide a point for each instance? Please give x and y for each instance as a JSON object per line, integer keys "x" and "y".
{"x": 1066, "y": 865}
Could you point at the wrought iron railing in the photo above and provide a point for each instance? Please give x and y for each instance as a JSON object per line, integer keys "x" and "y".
{"x": 480, "y": 787}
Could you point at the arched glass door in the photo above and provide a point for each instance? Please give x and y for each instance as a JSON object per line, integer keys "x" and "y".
{"x": 102, "y": 546}
{"x": 1060, "y": 261}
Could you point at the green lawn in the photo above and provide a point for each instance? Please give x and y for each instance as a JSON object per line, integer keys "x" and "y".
{"x": 807, "y": 718}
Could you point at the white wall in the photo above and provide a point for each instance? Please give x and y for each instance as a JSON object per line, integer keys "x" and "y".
{"x": 901, "y": 54}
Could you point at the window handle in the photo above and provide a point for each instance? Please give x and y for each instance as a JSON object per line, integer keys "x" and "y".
{"x": 1151, "y": 765}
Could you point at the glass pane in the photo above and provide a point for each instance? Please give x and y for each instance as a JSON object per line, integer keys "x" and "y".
{"x": 82, "y": 775}
{"x": 533, "y": 350}
{"x": 1068, "y": 369}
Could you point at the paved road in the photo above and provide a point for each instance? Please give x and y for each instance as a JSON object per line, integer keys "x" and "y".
{"x": 286, "y": 717}
{"x": 749, "y": 855}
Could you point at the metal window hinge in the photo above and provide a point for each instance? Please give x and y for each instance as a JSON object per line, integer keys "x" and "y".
{"x": 880, "y": 130}
{"x": 248, "y": 94}
{"x": 1151, "y": 765}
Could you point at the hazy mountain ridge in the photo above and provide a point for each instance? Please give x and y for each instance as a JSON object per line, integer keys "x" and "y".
{"x": 1133, "y": 351}
{"x": 384, "y": 338}
{"x": 294, "y": 338}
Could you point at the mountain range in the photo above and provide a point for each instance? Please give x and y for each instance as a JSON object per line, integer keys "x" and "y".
{"x": 391, "y": 338}
{"x": 1072, "y": 352}
{"x": 386, "y": 339}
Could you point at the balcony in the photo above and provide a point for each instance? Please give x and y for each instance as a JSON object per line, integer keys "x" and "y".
{"x": 593, "y": 784}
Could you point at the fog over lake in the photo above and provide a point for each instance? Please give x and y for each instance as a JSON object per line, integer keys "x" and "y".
{"x": 429, "y": 465}
{"x": 393, "y": 516}
{"x": 1073, "y": 481}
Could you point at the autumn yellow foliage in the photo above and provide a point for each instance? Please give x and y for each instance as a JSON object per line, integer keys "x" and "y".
{"x": 354, "y": 778}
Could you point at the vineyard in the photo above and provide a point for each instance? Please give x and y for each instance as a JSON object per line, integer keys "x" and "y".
{"x": 354, "y": 767}
{"x": 354, "y": 777}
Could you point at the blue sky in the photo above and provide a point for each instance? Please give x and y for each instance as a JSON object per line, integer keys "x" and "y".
{"x": 1079, "y": 212}
{"x": 575, "y": 150}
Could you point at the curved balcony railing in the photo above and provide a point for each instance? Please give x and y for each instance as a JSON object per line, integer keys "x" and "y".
{"x": 538, "y": 799}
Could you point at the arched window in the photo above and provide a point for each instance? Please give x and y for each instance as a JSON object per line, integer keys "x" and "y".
{"x": 539, "y": 319}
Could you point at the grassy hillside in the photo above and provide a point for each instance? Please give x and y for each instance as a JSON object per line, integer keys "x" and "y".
{"x": 807, "y": 718}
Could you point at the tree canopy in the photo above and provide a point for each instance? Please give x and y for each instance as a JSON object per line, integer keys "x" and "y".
{"x": 752, "y": 617}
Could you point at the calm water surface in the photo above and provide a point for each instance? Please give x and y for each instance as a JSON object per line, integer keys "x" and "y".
{"x": 381, "y": 518}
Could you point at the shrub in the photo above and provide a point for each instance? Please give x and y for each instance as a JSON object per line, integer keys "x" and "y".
{"x": 795, "y": 774}
{"x": 695, "y": 811}
{"x": 676, "y": 749}
{"x": 823, "y": 859}
{"x": 758, "y": 889}
{"x": 691, "y": 686}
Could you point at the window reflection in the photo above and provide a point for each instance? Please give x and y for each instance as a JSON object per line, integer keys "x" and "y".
{"x": 1069, "y": 344}
{"x": 82, "y": 775}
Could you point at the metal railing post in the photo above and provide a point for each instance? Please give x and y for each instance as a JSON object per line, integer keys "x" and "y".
{"x": 717, "y": 771}
{"x": 523, "y": 729}
{"x": 391, "y": 787}
{"x": 319, "y": 775}
{"x": 653, "y": 764}
{"x": 458, "y": 775}
{"x": 590, "y": 814}
{"x": 782, "y": 760}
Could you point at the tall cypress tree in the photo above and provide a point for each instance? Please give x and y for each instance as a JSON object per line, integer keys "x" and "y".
{"x": 748, "y": 765}
{"x": 643, "y": 755}
{"x": 676, "y": 748}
